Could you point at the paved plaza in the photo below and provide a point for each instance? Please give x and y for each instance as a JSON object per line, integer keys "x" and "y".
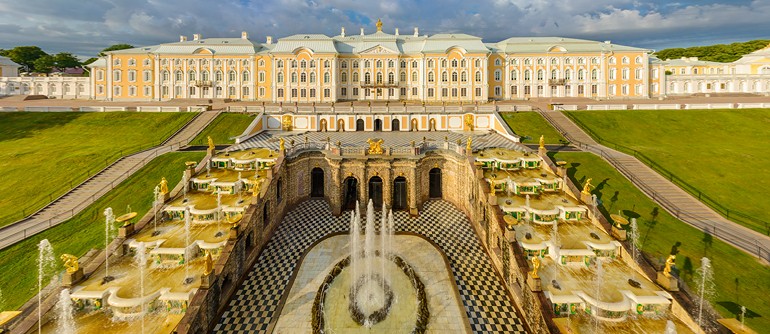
{"x": 257, "y": 304}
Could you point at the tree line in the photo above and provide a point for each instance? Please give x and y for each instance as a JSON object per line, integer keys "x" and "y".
{"x": 723, "y": 53}
{"x": 34, "y": 60}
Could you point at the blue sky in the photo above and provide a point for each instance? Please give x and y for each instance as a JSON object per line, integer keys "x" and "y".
{"x": 86, "y": 26}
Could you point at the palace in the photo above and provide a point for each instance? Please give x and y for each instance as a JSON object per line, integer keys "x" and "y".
{"x": 308, "y": 68}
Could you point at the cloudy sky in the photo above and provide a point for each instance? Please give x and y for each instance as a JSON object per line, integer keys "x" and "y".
{"x": 86, "y": 26}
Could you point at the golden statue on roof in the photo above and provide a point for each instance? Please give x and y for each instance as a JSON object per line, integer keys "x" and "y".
{"x": 70, "y": 263}
{"x": 375, "y": 146}
{"x": 379, "y": 25}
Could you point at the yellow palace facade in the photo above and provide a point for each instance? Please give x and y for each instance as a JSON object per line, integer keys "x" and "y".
{"x": 377, "y": 66}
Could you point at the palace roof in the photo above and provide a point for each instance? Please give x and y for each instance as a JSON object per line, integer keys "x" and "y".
{"x": 560, "y": 44}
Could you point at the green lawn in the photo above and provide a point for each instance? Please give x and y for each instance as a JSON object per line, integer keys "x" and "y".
{"x": 740, "y": 278}
{"x": 723, "y": 153}
{"x": 530, "y": 126}
{"x": 223, "y": 128}
{"x": 43, "y": 155}
{"x": 86, "y": 230}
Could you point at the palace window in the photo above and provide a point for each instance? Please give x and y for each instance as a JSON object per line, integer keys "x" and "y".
{"x": 131, "y": 62}
{"x": 261, "y": 91}
{"x": 402, "y": 77}
{"x": 279, "y": 63}
{"x": 164, "y": 76}
{"x": 464, "y": 76}
{"x": 540, "y": 75}
{"x": 581, "y": 74}
{"x": 379, "y": 77}
{"x": 280, "y": 92}
{"x": 231, "y": 91}
{"x": 454, "y": 92}
{"x": 478, "y": 76}
{"x": 178, "y": 75}
{"x": 454, "y": 76}
{"x": 567, "y": 74}
{"x": 312, "y": 63}
{"x": 540, "y": 61}
{"x": 294, "y": 77}
{"x": 116, "y": 91}
{"x": 497, "y": 75}
{"x": 554, "y": 75}
{"x": 497, "y": 62}
{"x": 444, "y": 77}
{"x": 463, "y": 92}
{"x": 462, "y": 63}
{"x": 379, "y": 64}
{"x": 391, "y": 78}
{"x": 554, "y": 61}
{"x": 293, "y": 64}
{"x": 344, "y": 91}
{"x": 312, "y": 77}
{"x": 527, "y": 61}
{"x": 261, "y": 63}
{"x": 430, "y": 63}
{"x": 454, "y": 63}
{"x": 638, "y": 60}
{"x": 245, "y": 91}
{"x": 414, "y": 91}
{"x": 625, "y": 60}
{"x": 303, "y": 64}
{"x": 594, "y": 74}
{"x": 367, "y": 78}
{"x": 327, "y": 92}
{"x": 414, "y": 64}
{"x": 431, "y": 76}
{"x": 116, "y": 75}
{"x": 343, "y": 77}
{"x": 131, "y": 90}
{"x": 355, "y": 91}
{"x": 443, "y": 63}
{"x": 205, "y": 76}
{"x": 613, "y": 73}
{"x": 478, "y": 91}
{"x": 355, "y": 77}
{"x": 100, "y": 75}
{"x": 327, "y": 64}
{"x": 391, "y": 63}
{"x": 527, "y": 75}
{"x": 430, "y": 92}
{"x": 294, "y": 92}
{"x": 403, "y": 64}
{"x": 612, "y": 61}
{"x": 444, "y": 92}
{"x": 191, "y": 75}
{"x": 146, "y": 62}
{"x": 568, "y": 60}
{"x": 246, "y": 76}
{"x": 624, "y": 74}
{"x": 478, "y": 63}
{"x": 344, "y": 64}
{"x": 638, "y": 74}
{"x": 231, "y": 75}
{"x": 414, "y": 76}
{"x": 514, "y": 61}
{"x": 279, "y": 78}
{"x": 302, "y": 78}
{"x": 594, "y": 60}
{"x": 261, "y": 76}
{"x": 497, "y": 90}
{"x": 355, "y": 64}
{"x": 327, "y": 77}
{"x": 624, "y": 89}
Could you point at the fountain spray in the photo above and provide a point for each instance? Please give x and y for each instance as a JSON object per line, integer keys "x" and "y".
{"x": 45, "y": 262}
{"x": 743, "y": 316}
{"x": 355, "y": 241}
{"x": 706, "y": 276}
{"x": 383, "y": 243}
{"x": 109, "y": 221}
{"x": 184, "y": 185}
{"x": 155, "y": 203}
{"x": 187, "y": 219}
{"x": 634, "y": 240}
{"x": 369, "y": 238}
{"x": 66, "y": 320}
{"x": 599, "y": 275}
{"x": 141, "y": 261}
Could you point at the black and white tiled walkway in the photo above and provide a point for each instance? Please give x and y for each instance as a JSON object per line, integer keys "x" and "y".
{"x": 487, "y": 306}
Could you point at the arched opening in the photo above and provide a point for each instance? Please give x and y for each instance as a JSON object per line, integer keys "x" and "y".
{"x": 341, "y": 125}
{"x": 349, "y": 193}
{"x": 265, "y": 214}
{"x": 432, "y": 124}
{"x": 323, "y": 125}
{"x": 375, "y": 191}
{"x": 395, "y": 125}
{"x": 377, "y": 125}
{"x": 399, "y": 194}
{"x": 414, "y": 125}
{"x": 434, "y": 177}
{"x": 360, "y": 125}
{"x": 317, "y": 182}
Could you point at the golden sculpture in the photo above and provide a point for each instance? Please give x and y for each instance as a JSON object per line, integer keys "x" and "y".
{"x": 535, "y": 266}
{"x": 469, "y": 121}
{"x": 492, "y": 187}
{"x": 587, "y": 187}
{"x": 208, "y": 267}
{"x": 281, "y": 145}
{"x": 542, "y": 142}
{"x": 163, "y": 186}
{"x": 468, "y": 148}
{"x": 286, "y": 123}
{"x": 670, "y": 261}
{"x": 255, "y": 188}
{"x": 70, "y": 263}
{"x": 379, "y": 25}
{"x": 375, "y": 146}
{"x": 211, "y": 143}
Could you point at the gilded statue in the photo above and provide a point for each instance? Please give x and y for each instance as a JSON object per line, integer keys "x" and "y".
{"x": 281, "y": 145}
{"x": 468, "y": 148}
{"x": 208, "y": 267}
{"x": 535, "y": 266}
{"x": 163, "y": 186}
{"x": 492, "y": 187}
{"x": 469, "y": 121}
{"x": 587, "y": 187}
{"x": 255, "y": 188}
{"x": 286, "y": 123}
{"x": 379, "y": 25}
{"x": 375, "y": 146}
{"x": 70, "y": 263}
{"x": 211, "y": 143}
{"x": 670, "y": 261}
{"x": 542, "y": 142}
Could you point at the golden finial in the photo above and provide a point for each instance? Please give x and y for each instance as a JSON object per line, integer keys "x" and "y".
{"x": 379, "y": 25}
{"x": 70, "y": 263}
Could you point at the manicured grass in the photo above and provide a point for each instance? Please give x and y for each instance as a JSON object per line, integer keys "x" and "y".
{"x": 86, "y": 230}
{"x": 723, "y": 153}
{"x": 44, "y": 155}
{"x": 223, "y": 128}
{"x": 530, "y": 126}
{"x": 740, "y": 278}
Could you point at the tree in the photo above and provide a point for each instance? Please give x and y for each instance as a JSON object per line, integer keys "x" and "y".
{"x": 90, "y": 60}
{"x": 724, "y": 53}
{"x": 44, "y": 64}
{"x": 115, "y": 47}
{"x": 66, "y": 60}
{"x": 26, "y": 56}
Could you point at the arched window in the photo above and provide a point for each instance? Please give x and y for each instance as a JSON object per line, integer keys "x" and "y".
{"x": 403, "y": 64}
{"x": 302, "y": 64}
{"x": 191, "y": 76}
{"x": 355, "y": 77}
{"x": 279, "y": 63}
{"x": 391, "y": 78}
{"x": 611, "y": 60}
{"x": 454, "y": 76}
{"x": 594, "y": 74}
{"x": 414, "y": 63}
{"x": 327, "y": 77}
{"x": 246, "y": 76}
{"x": 478, "y": 63}
{"x": 444, "y": 77}
{"x": 567, "y": 74}
{"x": 355, "y": 64}
{"x": 391, "y": 64}
{"x": 581, "y": 74}
{"x": 231, "y": 76}
{"x": 514, "y": 75}
{"x": 379, "y": 64}
{"x": 527, "y": 75}
{"x": 294, "y": 77}
{"x": 431, "y": 77}
{"x": 218, "y": 75}
{"x": 379, "y": 77}
{"x": 454, "y": 63}
{"x": 554, "y": 75}
{"x": 303, "y": 77}
{"x": 414, "y": 76}
{"x": 327, "y": 64}
{"x": 294, "y": 63}
{"x": 462, "y": 63}
{"x": 279, "y": 78}
{"x": 478, "y": 76}
{"x": 178, "y": 75}
{"x": 430, "y": 63}
{"x": 625, "y": 60}
{"x": 344, "y": 64}
{"x": 367, "y": 64}
{"x": 527, "y": 61}
{"x": 638, "y": 60}
{"x": 205, "y": 76}
{"x": 497, "y": 75}
{"x": 464, "y": 77}
{"x": 540, "y": 74}
{"x": 402, "y": 77}
{"x": 344, "y": 77}
{"x": 261, "y": 63}
{"x": 367, "y": 78}
{"x": 164, "y": 76}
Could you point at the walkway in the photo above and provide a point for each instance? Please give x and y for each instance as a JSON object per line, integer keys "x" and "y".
{"x": 257, "y": 303}
{"x": 674, "y": 199}
{"x": 99, "y": 184}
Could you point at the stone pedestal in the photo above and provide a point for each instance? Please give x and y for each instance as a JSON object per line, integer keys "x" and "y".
{"x": 668, "y": 283}
{"x": 233, "y": 233}
{"x": 207, "y": 280}
{"x": 413, "y": 211}
{"x": 586, "y": 198}
{"x": 70, "y": 279}
{"x": 125, "y": 231}
{"x": 534, "y": 283}
{"x": 541, "y": 151}
{"x": 619, "y": 233}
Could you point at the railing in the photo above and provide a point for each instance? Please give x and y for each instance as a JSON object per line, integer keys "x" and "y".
{"x": 745, "y": 219}
{"x": 162, "y": 147}
{"x": 750, "y": 245}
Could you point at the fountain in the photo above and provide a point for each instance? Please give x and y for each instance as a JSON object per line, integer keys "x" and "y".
{"x": 670, "y": 328}
{"x": 634, "y": 240}
{"x": 109, "y": 222}
{"x": 141, "y": 261}
{"x": 45, "y": 263}
{"x": 156, "y": 200}
{"x": 185, "y": 185}
{"x": 743, "y": 317}
{"x": 187, "y": 219}
{"x": 598, "y": 281}
{"x": 705, "y": 278}
{"x": 65, "y": 320}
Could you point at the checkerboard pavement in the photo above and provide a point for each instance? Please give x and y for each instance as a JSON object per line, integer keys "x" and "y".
{"x": 482, "y": 294}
